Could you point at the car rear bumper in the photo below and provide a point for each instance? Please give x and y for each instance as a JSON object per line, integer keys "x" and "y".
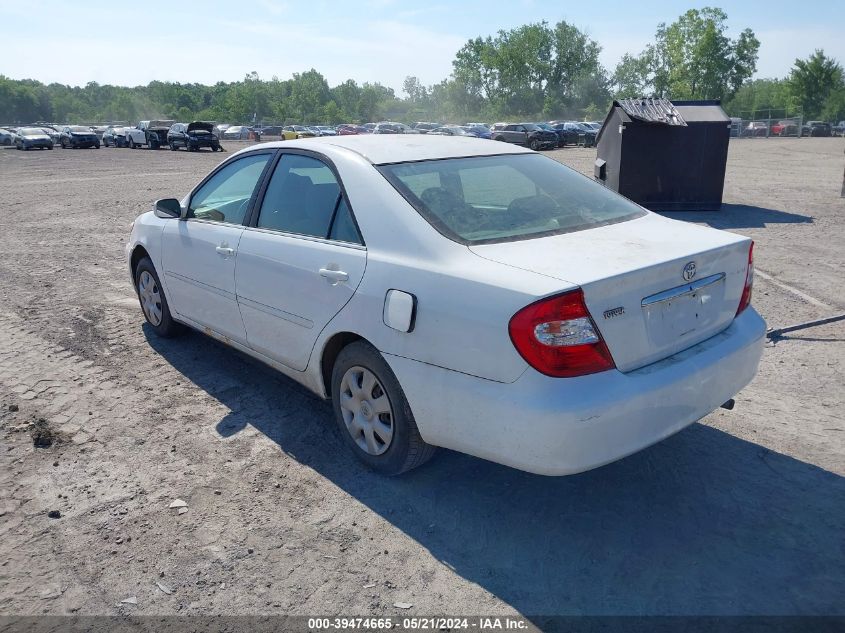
{"x": 561, "y": 426}
{"x": 202, "y": 142}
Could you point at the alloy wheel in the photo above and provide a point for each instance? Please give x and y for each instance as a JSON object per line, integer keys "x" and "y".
{"x": 150, "y": 297}
{"x": 366, "y": 410}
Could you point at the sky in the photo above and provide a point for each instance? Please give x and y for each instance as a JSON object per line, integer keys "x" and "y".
{"x": 110, "y": 41}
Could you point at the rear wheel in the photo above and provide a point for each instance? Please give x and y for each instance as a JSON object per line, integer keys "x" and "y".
{"x": 173, "y": 147}
{"x": 153, "y": 302}
{"x": 373, "y": 414}
{"x": 131, "y": 143}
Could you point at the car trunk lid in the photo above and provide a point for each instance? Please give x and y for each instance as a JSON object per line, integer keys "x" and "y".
{"x": 653, "y": 286}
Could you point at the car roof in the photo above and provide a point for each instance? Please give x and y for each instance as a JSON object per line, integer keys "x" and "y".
{"x": 400, "y": 148}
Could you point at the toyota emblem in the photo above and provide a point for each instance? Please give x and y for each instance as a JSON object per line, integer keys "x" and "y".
{"x": 689, "y": 271}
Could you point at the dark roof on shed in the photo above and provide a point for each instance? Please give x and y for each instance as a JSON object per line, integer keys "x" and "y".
{"x": 707, "y": 111}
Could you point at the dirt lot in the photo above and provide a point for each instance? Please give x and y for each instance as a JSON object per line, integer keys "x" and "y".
{"x": 743, "y": 513}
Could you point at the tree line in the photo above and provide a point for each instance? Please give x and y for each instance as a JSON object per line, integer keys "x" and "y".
{"x": 534, "y": 71}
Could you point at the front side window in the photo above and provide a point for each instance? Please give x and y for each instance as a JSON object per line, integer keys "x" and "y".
{"x": 225, "y": 196}
{"x": 304, "y": 197}
{"x": 503, "y": 198}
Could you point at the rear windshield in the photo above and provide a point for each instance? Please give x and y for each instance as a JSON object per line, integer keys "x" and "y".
{"x": 31, "y": 131}
{"x": 505, "y": 198}
{"x": 78, "y": 129}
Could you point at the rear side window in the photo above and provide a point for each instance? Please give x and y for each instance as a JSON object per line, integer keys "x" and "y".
{"x": 304, "y": 197}
{"x": 490, "y": 199}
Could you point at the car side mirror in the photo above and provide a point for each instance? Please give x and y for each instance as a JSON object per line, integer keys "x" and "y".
{"x": 168, "y": 208}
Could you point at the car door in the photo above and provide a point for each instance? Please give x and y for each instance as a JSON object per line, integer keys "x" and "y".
{"x": 300, "y": 260}
{"x": 200, "y": 251}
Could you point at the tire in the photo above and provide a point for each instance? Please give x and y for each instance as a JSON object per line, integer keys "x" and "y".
{"x": 153, "y": 302}
{"x": 173, "y": 147}
{"x": 131, "y": 143}
{"x": 534, "y": 144}
{"x": 361, "y": 378}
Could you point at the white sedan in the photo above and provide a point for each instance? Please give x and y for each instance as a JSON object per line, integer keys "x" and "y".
{"x": 446, "y": 291}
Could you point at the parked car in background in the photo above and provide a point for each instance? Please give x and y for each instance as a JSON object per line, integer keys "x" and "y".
{"x": 275, "y": 130}
{"x": 300, "y": 131}
{"x": 78, "y": 136}
{"x": 393, "y": 127}
{"x": 352, "y": 130}
{"x": 99, "y": 130}
{"x": 114, "y": 137}
{"x": 31, "y": 138}
{"x": 574, "y": 133}
{"x": 153, "y": 134}
{"x": 526, "y": 134}
{"x": 326, "y": 130}
{"x": 7, "y": 137}
{"x": 817, "y": 128}
{"x": 386, "y": 128}
{"x": 755, "y": 129}
{"x": 236, "y": 133}
{"x": 49, "y": 130}
{"x": 451, "y": 130}
{"x": 424, "y": 127}
{"x": 784, "y": 128}
{"x": 193, "y": 136}
{"x": 839, "y": 129}
{"x": 481, "y": 131}
{"x": 480, "y": 299}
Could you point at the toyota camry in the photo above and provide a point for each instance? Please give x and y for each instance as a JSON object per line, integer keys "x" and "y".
{"x": 449, "y": 291}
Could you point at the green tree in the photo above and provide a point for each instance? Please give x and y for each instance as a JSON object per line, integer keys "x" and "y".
{"x": 527, "y": 70}
{"x": 692, "y": 58}
{"x": 834, "y": 106}
{"x": 760, "y": 96}
{"x": 812, "y": 81}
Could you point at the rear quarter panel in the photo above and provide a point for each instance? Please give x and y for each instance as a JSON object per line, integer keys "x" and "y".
{"x": 463, "y": 302}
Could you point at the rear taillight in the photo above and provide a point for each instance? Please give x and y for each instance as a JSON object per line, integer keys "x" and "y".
{"x": 745, "y": 299}
{"x": 557, "y": 337}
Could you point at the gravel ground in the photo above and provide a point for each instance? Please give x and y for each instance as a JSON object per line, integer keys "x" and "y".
{"x": 742, "y": 513}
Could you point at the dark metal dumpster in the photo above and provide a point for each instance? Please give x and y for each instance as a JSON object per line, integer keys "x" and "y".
{"x": 665, "y": 155}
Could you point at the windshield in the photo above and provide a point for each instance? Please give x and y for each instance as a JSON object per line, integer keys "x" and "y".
{"x": 79, "y": 129}
{"x": 31, "y": 131}
{"x": 503, "y": 198}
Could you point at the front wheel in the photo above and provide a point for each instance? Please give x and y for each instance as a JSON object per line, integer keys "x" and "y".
{"x": 153, "y": 302}
{"x": 534, "y": 144}
{"x": 373, "y": 414}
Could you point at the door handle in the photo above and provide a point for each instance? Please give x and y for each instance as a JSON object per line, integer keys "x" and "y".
{"x": 334, "y": 275}
{"x": 225, "y": 251}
